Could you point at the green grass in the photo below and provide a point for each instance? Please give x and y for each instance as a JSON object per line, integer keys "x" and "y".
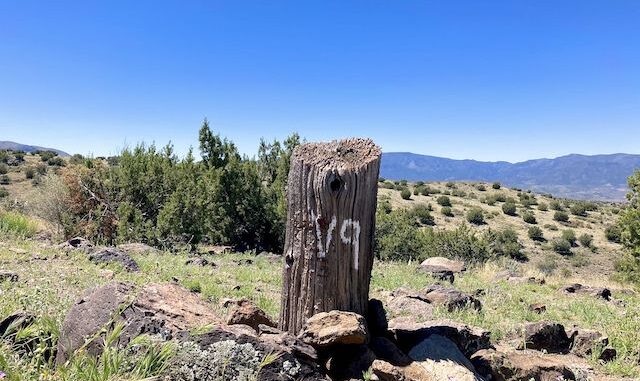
{"x": 17, "y": 224}
{"x": 50, "y": 284}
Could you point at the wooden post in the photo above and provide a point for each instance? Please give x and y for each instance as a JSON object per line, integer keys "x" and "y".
{"x": 331, "y": 198}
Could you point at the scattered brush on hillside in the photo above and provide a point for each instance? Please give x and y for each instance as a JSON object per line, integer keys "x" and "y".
{"x": 17, "y": 224}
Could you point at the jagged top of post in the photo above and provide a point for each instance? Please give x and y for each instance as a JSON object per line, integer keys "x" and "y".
{"x": 352, "y": 152}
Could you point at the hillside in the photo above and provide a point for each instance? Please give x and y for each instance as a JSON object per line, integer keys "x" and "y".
{"x": 597, "y": 177}
{"x": 13, "y": 146}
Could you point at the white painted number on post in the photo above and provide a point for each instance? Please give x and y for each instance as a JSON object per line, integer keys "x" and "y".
{"x": 322, "y": 249}
{"x": 354, "y": 239}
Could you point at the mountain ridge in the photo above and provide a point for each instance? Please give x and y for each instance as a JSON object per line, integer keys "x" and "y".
{"x": 9, "y": 145}
{"x": 595, "y": 177}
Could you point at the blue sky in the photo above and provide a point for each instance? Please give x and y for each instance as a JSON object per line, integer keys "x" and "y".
{"x": 487, "y": 80}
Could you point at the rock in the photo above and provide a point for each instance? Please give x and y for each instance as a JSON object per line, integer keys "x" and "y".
{"x": 386, "y": 350}
{"x": 8, "y": 276}
{"x": 450, "y": 298}
{"x": 513, "y": 277}
{"x": 294, "y": 344}
{"x": 107, "y": 274}
{"x": 545, "y": 336}
{"x": 246, "y": 312}
{"x": 349, "y": 361}
{"x": 157, "y": 309}
{"x": 111, "y": 255}
{"x": 243, "y": 262}
{"x": 414, "y": 306}
{"x": 237, "y": 351}
{"x": 608, "y": 354}
{"x": 512, "y": 365}
{"x": 537, "y": 308}
{"x": 18, "y": 250}
{"x": 577, "y": 288}
{"x": 334, "y": 327}
{"x": 199, "y": 261}
{"x": 137, "y": 248}
{"x": 77, "y": 243}
{"x": 585, "y": 341}
{"x": 440, "y": 357}
{"x": 436, "y": 264}
{"x": 377, "y": 318}
{"x": 408, "y": 334}
{"x": 14, "y": 322}
{"x": 386, "y": 371}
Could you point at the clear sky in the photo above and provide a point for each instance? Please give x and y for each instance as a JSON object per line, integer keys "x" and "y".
{"x": 487, "y": 80}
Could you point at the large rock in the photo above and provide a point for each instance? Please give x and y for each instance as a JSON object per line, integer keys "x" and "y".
{"x": 387, "y": 350}
{"x": 246, "y": 312}
{"x": 237, "y": 353}
{"x": 160, "y": 309}
{"x": 585, "y": 342}
{"x": 408, "y": 334}
{"x": 451, "y": 298}
{"x": 441, "y": 358}
{"x": 347, "y": 362}
{"x": 437, "y": 264}
{"x": 334, "y": 327}
{"x": 545, "y": 336}
{"x": 111, "y": 255}
{"x": 8, "y": 276}
{"x": 577, "y": 288}
{"x": 510, "y": 365}
{"x": 416, "y": 307}
{"x": 77, "y": 243}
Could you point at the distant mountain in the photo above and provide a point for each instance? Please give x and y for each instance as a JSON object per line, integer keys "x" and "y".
{"x": 5, "y": 145}
{"x": 597, "y": 177}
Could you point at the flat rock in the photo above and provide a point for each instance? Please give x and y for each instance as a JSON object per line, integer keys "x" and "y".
{"x": 414, "y": 306}
{"x": 408, "y": 334}
{"x": 111, "y": 255}
{"x": 577, "y": 288}
{"x": 157, "y": 309}
{"x": 246, "y": 312}
{"x": 449, "y": 297}
{"x": 441, "y": 358}
{"x": 545, "y": 336}
{"x": 334, "y": 327}
{"x": 505, "y": 364}
{"x": 77, "y": 243}
{"x": 236, "y": 350}
{"x": 436, "y": 264}
{"x": 199, "y": 261}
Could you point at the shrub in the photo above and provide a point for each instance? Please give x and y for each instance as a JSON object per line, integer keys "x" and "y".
{"x": 556, "y": 205}
{"x": 529, "y": 217}
{"x": 443, "y": 201}
{"x": 560, "y": 216}
{"x": 547, "y": 265}
{"x": 450, "y": 184}
{"x": 578, "y": 209}
{"x": 41, "y": 168}
{"x": 17, "y": 224}
{"x": 446, "y": 210}
{"x": 405, "y": 194}
{"x": 500, "y": 197}
{"x": 381, "y": 179}
{"x": 570, "y": 236}
{"x": 551, "y": 227}
{"x": 5, "y": 180}
{"x": 509, "y": 209}
{"x": 543, "y": 207}
{"x": 56, "y": 162}
{"x": 458, "y": 193}
{"x": 416, "y": 191}
{"x": 490, "y": 200}
{"x": 535, "y": 233}
{"x": 30, "y": 173}
{"x": 481, "y": 187}
{"x": 475, "y": 216}
{"x": 403, "y": 183}
{"x": 585, "y": 240}
{"x": 45, "y": 156}
{"x": 422, "y": 214}
{"x": 496, "y": 185}
{"x": 505, "y": 243}
{"x": 4, "y": 169}
{"x": 613, "y": 233}
{"x": 3, "y": 192}
{"x": 561, "y": 246}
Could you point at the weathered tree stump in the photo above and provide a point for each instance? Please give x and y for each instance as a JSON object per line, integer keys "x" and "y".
{"x": 331, "y": 198}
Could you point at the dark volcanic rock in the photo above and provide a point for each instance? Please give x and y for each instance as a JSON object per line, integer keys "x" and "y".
{"x": 77, "y": 243}
{"x": 577, "y": 288}
{"x": 9, "y": 276}
{"x": 246, "y": 312}
{"x": 111, "y": 255}
{"x": 545, "y": 335}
